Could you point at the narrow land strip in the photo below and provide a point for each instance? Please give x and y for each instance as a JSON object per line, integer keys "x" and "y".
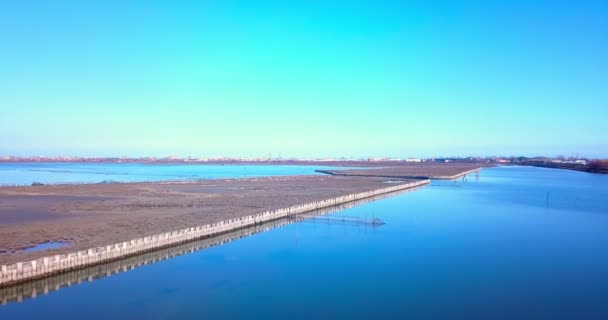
{"x": 90, "y": 215}
{"x": 439, "y": 171}
{"x": 49, "y": 265}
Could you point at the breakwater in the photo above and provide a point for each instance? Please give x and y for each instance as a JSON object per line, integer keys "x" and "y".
{"x": 455, "y": 176}
{"x": 43, "y": 267}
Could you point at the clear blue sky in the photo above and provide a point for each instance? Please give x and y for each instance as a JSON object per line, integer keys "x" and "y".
{"x": 304, "y": 78}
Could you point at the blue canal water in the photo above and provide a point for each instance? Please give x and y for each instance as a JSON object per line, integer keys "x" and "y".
{"x": 487, "y": 247}
{"x": 49, "y": 173}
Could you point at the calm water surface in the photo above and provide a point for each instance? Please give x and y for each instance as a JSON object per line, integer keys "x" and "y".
{"x": 26, "y": 173}
{"x": 486, "y": 248}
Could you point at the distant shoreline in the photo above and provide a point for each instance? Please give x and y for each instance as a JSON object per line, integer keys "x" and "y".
{"x": 210, "y": 162}
{"x": 333, "y": 163}
{"x": 595, "y": 166}
{"x": 565, "y": 166}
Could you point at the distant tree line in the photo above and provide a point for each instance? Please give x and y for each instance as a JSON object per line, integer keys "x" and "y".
{"x": 599, "y": 166}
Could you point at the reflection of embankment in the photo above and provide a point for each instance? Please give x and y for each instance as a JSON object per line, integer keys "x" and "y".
{"x": 34, "y": 288}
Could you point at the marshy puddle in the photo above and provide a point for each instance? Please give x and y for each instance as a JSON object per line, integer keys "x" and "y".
{"x": 47, "y": 246}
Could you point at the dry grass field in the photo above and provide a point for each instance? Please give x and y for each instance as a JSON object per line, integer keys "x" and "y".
{"x": 96, "y": 214}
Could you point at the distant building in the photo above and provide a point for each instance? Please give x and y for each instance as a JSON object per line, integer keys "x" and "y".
{"x": 383, "y": 159}
{"x": 413, "y": 160}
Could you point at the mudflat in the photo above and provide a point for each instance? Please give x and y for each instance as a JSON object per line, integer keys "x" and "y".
{"x": 90, "y": 215}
